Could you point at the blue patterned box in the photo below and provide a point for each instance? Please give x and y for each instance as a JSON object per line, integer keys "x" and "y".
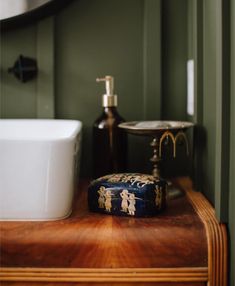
{"x": 129, "y": 194}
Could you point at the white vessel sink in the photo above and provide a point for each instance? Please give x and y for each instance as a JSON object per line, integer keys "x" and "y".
{"x": 37, "y": 164}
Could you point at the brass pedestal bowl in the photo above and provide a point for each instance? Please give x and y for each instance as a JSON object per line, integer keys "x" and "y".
{"x": 161, "y": 132}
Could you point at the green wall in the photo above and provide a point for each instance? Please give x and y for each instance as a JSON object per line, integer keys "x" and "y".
{"x": 174, "y": 78}
{"x": 211, "y": 45}
{"x": 97, "y": 38}
{"x": 232, "y": 151}
{"x": 21, "y": 98}
{"x": 89, "y": 39}
{"x": 174, "y": 52}
{"x": 209, "y": 102}
{"x": 34, "y": 98}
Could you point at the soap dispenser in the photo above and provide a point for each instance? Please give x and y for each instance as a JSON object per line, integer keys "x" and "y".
{"x": 109, "y": 141}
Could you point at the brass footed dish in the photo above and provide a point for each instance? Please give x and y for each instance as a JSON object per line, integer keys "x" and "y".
{"x": 153, "y": 128}
{"x": 162, "y": 132}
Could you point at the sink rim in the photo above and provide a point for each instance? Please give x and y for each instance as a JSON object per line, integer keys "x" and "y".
{"x": 39, "y": 129}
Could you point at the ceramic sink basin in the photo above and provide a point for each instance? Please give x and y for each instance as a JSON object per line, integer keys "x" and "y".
{"x": 38, "y": 159}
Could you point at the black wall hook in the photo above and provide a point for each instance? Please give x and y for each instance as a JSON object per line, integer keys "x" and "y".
{"x": 24, "y": 68}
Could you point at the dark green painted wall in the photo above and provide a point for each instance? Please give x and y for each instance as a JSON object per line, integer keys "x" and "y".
{"x": 21, "y": 98}
{"x": 89, "y": 39}
{"x": 93, "y": 39}
{"x": 174, "y": 78}
{"x": 211, "y": 42}
{"x": 34, "y": 98}
{"x": 209, "y": 98}
{"x": 174, "y": 53}
{"x": 232, "y": 151}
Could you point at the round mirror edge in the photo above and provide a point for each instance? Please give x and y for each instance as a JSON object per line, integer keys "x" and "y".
{"x": 45, "y": 10}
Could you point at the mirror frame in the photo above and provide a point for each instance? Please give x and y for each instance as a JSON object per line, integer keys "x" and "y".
{"x": 32, "y": 16}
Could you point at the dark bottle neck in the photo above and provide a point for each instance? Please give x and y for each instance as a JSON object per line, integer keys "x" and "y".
{"x": 111, "y": 112}
{"x": 107, "y": 108}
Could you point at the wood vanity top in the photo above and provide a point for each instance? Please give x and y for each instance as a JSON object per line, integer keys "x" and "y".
{"x": 84, "y": 242}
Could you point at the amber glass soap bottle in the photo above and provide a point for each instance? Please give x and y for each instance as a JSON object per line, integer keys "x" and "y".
{"x": 109, "y": 141}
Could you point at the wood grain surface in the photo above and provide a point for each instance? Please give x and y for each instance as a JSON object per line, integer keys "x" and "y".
{"x": 216, "y": 235}
{"x": 183, "y": 246}
{"x": 176, "y": 238}
{"x": 103, "y": 284}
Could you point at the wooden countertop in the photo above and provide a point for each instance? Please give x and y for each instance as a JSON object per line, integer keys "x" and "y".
{"x": 95, "y": 243}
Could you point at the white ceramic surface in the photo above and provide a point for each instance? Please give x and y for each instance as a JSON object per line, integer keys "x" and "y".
{"x": 37, "y": 167}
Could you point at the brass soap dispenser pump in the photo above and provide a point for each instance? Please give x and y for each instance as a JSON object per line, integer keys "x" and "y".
{"x": 109, "y": 141}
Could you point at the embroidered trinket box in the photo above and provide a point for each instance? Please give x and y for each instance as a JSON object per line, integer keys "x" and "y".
{"x": 128, "y": 194}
